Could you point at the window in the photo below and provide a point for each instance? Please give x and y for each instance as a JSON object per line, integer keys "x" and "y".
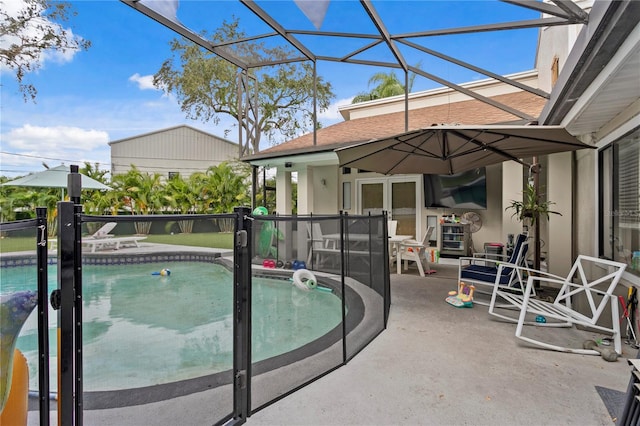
{"x": 346, "y": 195}
{"x": 346, "y": 170}
{"x": 173, "y": 175}
{"x": 620, "y": 201}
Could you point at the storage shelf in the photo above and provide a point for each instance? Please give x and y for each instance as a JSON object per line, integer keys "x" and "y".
{"x": 455, "y": 239}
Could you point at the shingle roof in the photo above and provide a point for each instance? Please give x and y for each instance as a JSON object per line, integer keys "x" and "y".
{"x": 379, "y": 126}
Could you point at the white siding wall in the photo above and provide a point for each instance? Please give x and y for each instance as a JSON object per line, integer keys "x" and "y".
{"x": 182, "y": 150}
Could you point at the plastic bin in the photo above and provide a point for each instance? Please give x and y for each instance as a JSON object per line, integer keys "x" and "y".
{"x": 494, "y": 251}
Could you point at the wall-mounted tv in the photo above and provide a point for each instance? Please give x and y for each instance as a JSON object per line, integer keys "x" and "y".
{"x": 465, "y": 190}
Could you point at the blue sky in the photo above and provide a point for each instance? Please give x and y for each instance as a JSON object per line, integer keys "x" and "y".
{"x": 103, "y": 94}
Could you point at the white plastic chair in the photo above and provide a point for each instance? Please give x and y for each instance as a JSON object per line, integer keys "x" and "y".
{"x": 414, "y": 251}
{"x": 392, "y": 227}
{"x": 317, "y": 243}
{"x": 560, "y": 312}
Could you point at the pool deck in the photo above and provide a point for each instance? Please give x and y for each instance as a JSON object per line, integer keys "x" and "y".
{"x": 433, "y": 365}
{"x": 440, "y": 365}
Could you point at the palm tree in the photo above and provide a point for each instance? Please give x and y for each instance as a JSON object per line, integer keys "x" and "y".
{"x": 186, "y": 197}
{"x": 387, "y": 84}
{"x": 93, "y": 171}
{"x": 142, "y": 193}
{"x": 226, "y": 187}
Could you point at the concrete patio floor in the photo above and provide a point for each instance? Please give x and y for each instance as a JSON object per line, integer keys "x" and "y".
{"x": 440, "y": 365}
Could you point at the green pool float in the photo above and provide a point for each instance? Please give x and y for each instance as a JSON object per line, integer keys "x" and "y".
{"x": 267, "y": 234}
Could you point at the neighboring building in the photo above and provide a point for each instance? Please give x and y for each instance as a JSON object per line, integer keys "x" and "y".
{"x": 177, "y": 150}
{"x": 592, "y": 75}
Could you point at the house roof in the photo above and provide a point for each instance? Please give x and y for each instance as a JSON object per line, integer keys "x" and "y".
{"x": 379, "y": 126}
{"x": 168, "y": 129}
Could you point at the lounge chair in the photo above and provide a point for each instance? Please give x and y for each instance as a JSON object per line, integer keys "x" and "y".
{"x": 102, "y": 239}
{"x": 483, "y": 269}
{"x": 100, "y": 234}
{"x": 103, "y": 232}
{"x": 560, "y": 312}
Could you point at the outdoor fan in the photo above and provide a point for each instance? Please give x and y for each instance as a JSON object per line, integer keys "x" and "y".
{"x": 474, "y": 221}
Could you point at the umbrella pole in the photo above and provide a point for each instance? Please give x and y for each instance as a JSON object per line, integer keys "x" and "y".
{"x": 536, "y": 185}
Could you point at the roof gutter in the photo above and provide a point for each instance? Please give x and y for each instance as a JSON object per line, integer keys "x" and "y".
{"x": 610, "y": 23}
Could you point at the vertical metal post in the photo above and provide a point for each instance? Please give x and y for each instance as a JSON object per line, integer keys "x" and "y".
{"x": 74, "y": 184}
{"x": 240, "y": 115}
{"x": 315, "y": 103}
{"x": 66, "y": 326}
{"x": 387, "y": 288}
{"x": 264, "y": 186}
{"x": 43, "y": 316}
{"x": 77, "y": 310}
{"x": 242, "y": 318}
{"x": 536, "y": 227}
{"x": 406, "y": 100}
{"x": 254, "y": 186}
{"x": 343, "y": 218}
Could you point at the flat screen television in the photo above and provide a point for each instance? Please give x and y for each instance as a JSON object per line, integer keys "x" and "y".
{"x": 465, "y": 190}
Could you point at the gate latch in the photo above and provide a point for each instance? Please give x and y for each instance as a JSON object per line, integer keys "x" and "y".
{"x": 241, "y": 238}
{"x": 55, "y": 299}
{"x": 241, "y": 379}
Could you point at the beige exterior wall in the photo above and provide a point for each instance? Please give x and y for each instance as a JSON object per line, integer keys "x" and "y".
{"x": 557, "y": 42}
{"x": 325, "y": 182}
{"x": 558, "y": 242}
{"x": 181, "y": 149}
{"x": 440, "y": 96}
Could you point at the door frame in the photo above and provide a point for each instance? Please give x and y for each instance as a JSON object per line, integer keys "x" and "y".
{"x": 387, "y": 186}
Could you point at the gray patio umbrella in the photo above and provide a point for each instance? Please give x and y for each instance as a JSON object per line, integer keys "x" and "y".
{"x": 453, "y": 149}
{"x": 55, "y": 177}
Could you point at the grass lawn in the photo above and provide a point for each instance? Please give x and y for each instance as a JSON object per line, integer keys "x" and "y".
{"x": 211, "y": 239}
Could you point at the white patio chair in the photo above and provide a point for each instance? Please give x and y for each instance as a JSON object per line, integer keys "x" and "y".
{"x": 597, "y": 293}
{"x": 414, "y": 251}
{"x": 392, "y": 227}
{"x": 317, "y": 243}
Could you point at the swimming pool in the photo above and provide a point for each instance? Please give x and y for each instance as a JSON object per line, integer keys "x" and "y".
{"x": 141, "y": 329}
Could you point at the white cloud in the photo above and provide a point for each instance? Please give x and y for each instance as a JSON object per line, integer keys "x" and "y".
{"x": 30, "y": 137}
{"x": 35, "y": 29}
{"x": 332, "y": 114}
{"x": 144, "y": 82}
{"x": 26, "y": 148}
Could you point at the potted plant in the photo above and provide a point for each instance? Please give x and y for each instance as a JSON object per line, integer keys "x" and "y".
{"x": 531, "y": 206}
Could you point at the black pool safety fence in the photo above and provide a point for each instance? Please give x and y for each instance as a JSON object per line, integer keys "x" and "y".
{"x": 186, "y": 319}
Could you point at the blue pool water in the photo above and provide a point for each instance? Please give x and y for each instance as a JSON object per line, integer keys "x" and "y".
{"x": 142, "y": 329}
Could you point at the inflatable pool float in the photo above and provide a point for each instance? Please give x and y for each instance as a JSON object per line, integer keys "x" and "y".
{"x": 305, "y": 279}
{"x": 17, "y": 405}
{"x": 268, "y": 233}
{"x": 15, "y": 308}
